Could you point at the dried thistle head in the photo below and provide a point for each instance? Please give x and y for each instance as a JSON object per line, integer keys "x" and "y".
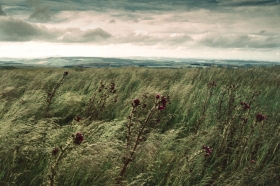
{"x": 260, "y": 117}
{"x": 78, "y": 118}
{"x": 136, "y": 102}
{"x": 78, "y": 138}
{"x": 245, "y": 105}
{"x": 55, "y": 151}
{"x": 162, "y": 103}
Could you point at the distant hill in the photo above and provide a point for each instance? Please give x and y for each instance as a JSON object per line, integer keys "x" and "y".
{"x": 98, "y": 62}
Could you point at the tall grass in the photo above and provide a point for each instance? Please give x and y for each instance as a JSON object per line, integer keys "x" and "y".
{"x": 244, "y": 152}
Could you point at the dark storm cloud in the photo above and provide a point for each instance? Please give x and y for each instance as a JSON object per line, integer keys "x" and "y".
{"x": 2, "y": 13}
{"x": 144, "y": 5}
{"x": 247, "y": 2}
{"x": 159, "y": 5}
{"x": 18, "y": 30}
{"x": 40, "y": 11}
{"x": 226, "y": 27}
{"x": 240, "y": 41}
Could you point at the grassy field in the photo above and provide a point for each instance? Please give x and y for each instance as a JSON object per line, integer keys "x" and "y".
{"x": 236, "y": 118}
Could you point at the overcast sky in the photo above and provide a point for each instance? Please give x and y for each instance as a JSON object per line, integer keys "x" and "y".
{"x": 211, "y": 29}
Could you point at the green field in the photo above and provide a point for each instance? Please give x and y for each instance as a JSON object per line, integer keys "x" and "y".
{"x": 244, "y": 148}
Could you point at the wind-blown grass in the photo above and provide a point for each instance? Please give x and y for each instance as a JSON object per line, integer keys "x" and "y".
{"x": 243, "y": 153}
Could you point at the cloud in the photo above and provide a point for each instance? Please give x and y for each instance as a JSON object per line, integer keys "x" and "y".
{"x": 239, "y": 41}
{"x": 18, "y": 30}
{"x": 135, "y": 6}
{"x": 75, "y": 35}
{"x": 160, "y": 5}
{"x": 40, "y": 12}
{"x": 239, "y": 27}
{"x": 112, "y": 21}
{"x": 2, "y": 13}
{"x": 246, "y": 2}
{"x": 141, "y": 38}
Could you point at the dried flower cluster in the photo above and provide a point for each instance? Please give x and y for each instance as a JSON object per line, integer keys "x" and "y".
{"x": 260, "y": 117}
{"x": 112, "y": 88}
{"x": 54, "y": 151}
{"x": 78, "y": 138}
{"x": 212, "y": 84}
{"x": 207, "y": 149}
{"x": 78, "y": 118}
{"x": 245, "y": 105}
{"x": 136, "y": 103}
{"x": 162, "y": 102}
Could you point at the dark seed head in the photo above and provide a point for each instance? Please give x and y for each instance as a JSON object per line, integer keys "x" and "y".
{"x": 54, "y": 151}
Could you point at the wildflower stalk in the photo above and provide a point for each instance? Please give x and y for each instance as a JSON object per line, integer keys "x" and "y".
{"x": 210, "y": 86}
{"x": 129, "y": 159}
{"x": 57, "y": 162}
{"x": 50, "y": 95}
{"x": 77, "y": 139}
{"x": 100, "y": 100}
{"x": 159, "y": 104}
{"x": 129, "y": 126}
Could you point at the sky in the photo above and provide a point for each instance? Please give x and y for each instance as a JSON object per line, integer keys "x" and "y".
{"x": 205, "y": 29}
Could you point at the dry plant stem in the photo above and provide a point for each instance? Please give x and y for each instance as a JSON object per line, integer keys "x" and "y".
{"x": 168, "y": 172}
{"x": 54, "y": 167}
{"x": 129, "y": 159}
{"x": 52, "y": 94}
{"x": 102, "y": 103}
{"x": 259, "y": 140}
{"x": 220, "y": 102}
{"x": 99, "y": 100}
{"x": 129, "y": 127}
{"x": 90, "y": 105}
{"x": 226, "y": 131}
{"x": 230, "y": 116}
{"x": 201, "y": 119}
{"x": 245, "y": 145}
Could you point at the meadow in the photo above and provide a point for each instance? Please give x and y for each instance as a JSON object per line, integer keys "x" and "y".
{"x": 139, "y": 126}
